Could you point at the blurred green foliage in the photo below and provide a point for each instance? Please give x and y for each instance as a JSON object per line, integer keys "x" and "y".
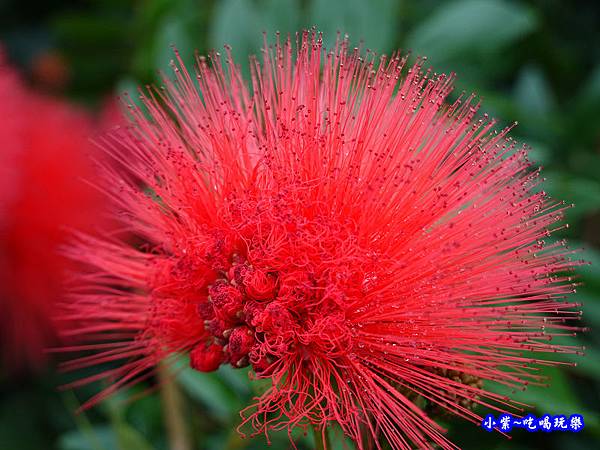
{"x": 537, "y": 62}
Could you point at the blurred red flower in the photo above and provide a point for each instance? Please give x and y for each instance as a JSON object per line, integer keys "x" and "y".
{"x": 45, "y": 158}
{"x": 340, "y": 229}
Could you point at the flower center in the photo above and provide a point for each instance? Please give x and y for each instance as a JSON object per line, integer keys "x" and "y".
{"x": 242, "y": 316}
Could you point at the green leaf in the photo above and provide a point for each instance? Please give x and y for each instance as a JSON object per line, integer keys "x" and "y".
{"x": 237, "y": 24}
{"x": 583, "y": 192}
{"x": 559, "y": 398}
{"x": 590, "y": 92}
{"x": 280, "y": 15}
{"x": 103, "y": 438}
{"x": 590, "y": 272}
{"x": 533, "y": 94}
{"x": 591, "y": 305}
{"x": 129, "y": 89}
{"x": 129, "y": 438}
{"x": 587, "y": 364}
{"x": 539, "y": 153}
{"x": 374, "y": 22}
{"x": 460, "y": 27}
{"x": 237, "y": 379}
{"x": 241, "y": 23}
{"x": 172, "y": 32}
{"x": 145, "y": 415}
{"x": 211, "y": 391}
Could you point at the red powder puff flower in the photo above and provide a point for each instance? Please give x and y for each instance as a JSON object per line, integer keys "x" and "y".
{"x": 340, "y": 229}
{"x": 44, "y": 157}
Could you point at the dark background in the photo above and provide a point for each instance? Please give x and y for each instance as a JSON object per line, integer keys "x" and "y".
{"x": 537, "y": 62}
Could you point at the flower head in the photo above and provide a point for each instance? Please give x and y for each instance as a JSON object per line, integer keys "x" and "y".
{"x": 44, "y": 159}
{"x": 336, "y": 227}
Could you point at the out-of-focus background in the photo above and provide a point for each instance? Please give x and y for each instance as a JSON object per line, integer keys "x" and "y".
{"x": 536, "y": 62}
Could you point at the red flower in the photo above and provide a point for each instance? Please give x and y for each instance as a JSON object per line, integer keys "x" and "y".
{"x": 340, "y": 229}
{"x": 44, "y": 159}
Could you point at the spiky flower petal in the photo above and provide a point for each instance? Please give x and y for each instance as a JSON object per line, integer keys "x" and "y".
{"x": 340, "y": 229}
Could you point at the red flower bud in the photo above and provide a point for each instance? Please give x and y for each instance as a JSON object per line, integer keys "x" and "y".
{"x": 237, "y": 273}
{"x": 206, "y": 311}
{"x": 274, "y": 317}
{"x": 226, "y": 300}
{"x": 259, "y": 285}
{"x": 217, "y": 327}
{"x": 241, "y": 342}
{"x": 207, "y": 358}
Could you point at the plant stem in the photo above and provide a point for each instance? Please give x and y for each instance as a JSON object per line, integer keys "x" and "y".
{"x": 320, "y": 443}
{"x": 81, "y": 420}
{"x": 174, "y": 418}
{"x": 234, "y": 441}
